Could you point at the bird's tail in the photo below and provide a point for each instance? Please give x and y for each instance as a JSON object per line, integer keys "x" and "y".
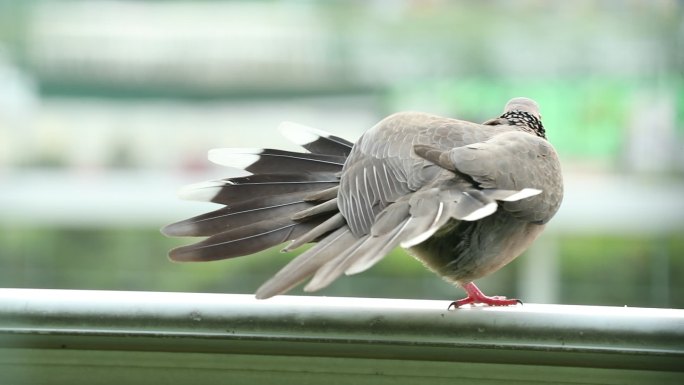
{"x": 287, "y": 196}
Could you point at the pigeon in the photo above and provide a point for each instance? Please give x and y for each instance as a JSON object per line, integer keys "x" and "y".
{"x": 463, "y": 198}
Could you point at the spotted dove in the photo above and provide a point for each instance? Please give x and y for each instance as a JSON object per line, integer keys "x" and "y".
{"x": 464, "y": 198}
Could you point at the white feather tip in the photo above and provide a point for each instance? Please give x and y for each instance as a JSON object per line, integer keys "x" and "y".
{"x": 203, "y": 191}
{"x": 482, "y": 212}
{"x": 522, "y": 194}
{"x": 240, "y": 158}
{"x": 300, "y": 134}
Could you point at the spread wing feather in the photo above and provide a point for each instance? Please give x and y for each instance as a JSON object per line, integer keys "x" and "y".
{"x": 238, "y": 214}
{"x": 315, "y": 140}
{"x": 244, "y": 240}
{"x": 265, "y": 160}
{"x": 288, "y": 195}
{"x": 305, "y": 264}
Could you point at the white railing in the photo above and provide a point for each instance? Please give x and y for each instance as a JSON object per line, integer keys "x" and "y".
{"x": 72, "y": 336}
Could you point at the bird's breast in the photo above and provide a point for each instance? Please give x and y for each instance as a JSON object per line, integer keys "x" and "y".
{"x": 463, "y": 251}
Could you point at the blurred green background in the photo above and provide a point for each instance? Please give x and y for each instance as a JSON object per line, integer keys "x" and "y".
{"x": 108, "y": 107}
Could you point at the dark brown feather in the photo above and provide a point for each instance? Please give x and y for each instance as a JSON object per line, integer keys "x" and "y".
{"x": 261, "y": 185}
{"x": 243, "y": 240}
{"x": 240, "y": 214}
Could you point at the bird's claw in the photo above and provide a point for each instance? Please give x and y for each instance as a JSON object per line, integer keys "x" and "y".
{"x": 488, "y": 301}
{"x": 475, "y": 297}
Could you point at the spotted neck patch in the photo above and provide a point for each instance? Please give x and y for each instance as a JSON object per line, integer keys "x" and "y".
{"x": 526, "y": 121}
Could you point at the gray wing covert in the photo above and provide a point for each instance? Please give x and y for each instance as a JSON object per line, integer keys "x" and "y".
{"x": 383, "y": 167}
{"x": 380, "y": 169}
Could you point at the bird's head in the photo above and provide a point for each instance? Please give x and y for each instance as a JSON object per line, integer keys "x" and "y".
{"x": 523, "y": 105}
{"x": 524, "y": 112}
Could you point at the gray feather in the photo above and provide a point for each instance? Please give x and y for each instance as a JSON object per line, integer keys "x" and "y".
{"x": 334, "y": 267}
{"x": 244, "y": 240}
{"x": 333, "y": 223}
{"x": 529, "y": 162}
{"x": 375, "y": 249}
{"x": 319, "y": 209}
{"x": 323, "y": 195}
{"x": 239, "y": 214}
{"x": 264, "y": 160}
{"x": 307, "y": 263}
{"x": 229, "y": 191}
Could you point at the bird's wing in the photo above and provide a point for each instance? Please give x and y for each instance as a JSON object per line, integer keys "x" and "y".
{"x": 390, "y": 196}
{"x": 383, "y": 166}
{"x": 513, "y": 161}
{"x": 280, "y": 196}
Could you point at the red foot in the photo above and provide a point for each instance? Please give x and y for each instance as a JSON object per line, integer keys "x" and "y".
{"x": 475, "y": 296}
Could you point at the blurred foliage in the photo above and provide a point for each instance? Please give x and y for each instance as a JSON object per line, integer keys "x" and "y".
{"x": 585, "y": 118}
{"x": 630, "y": 271}
{"x": 593, "y": 268}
